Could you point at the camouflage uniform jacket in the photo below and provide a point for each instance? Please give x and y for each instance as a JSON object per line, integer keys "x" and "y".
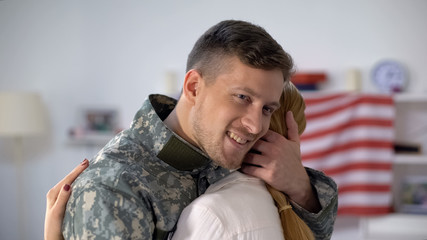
{"x": 138, "y": 184}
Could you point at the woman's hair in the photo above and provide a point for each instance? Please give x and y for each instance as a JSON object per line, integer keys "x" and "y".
{"x": 291, "y": 100}
{"x": 250, "y": 43}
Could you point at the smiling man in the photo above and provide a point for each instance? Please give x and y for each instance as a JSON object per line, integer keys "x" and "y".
{"x": 226, "y": 115}
{"x": 139, "y": 183}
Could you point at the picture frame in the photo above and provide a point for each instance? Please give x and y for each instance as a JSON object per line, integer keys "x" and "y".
{"x": 100, "y": 120}
{"x": 413, "y": 197}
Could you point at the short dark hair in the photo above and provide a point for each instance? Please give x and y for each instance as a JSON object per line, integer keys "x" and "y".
{"x": 250, "y": 43}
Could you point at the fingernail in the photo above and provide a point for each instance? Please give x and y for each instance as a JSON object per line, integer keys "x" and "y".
{"x": 84, "y": 162}
{"x": 67, "y": 187}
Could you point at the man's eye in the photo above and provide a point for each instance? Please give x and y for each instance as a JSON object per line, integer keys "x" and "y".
{"x": 243, "y": 97}
{"x": 268, "y": 110}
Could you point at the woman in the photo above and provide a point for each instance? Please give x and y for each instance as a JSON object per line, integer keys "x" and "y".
{"x": 247, "y": 209}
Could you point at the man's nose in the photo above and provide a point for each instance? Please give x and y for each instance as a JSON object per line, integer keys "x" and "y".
{"x": 252, "y": 121}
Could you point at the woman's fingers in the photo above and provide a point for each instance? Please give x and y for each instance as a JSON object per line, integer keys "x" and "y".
{"x": 293, "y": 134}
{"x": 75, "y": 173}
{"x": 63, "y": 197}
{"x": 53, "y": 193}
{"x": 56, "y": 200}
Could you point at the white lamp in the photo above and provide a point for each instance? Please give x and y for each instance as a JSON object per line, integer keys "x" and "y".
{"x": 22, "y": 114}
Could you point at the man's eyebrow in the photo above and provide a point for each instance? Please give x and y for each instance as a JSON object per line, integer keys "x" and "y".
{"x": 275, "y": 104}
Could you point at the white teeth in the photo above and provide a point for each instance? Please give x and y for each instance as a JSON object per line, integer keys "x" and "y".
{"x": 237, "y": 138}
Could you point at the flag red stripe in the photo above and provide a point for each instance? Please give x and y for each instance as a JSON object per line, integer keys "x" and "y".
{"x": 357, "y": 101}
{"x": 364, "y": 211}
{"x": 368, "y": 165}
{"x": 347, "y": 146}
{"x": 365, "y": 188}
{"x": 313, "y": 100}
{"x": 353, "y": 123}
{"x": 325, "y": 98}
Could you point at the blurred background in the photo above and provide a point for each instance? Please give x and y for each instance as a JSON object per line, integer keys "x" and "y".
{"x": 102, "y": 58}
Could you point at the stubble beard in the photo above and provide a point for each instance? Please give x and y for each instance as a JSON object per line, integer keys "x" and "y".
{"x": 211, "y": 148}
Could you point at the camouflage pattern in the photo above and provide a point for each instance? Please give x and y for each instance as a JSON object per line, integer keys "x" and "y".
{"x": 138, "y": 184}
{"x": 321, "y": 223}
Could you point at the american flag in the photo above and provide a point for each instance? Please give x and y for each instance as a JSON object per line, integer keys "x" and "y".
{"x": 350, "y": 138}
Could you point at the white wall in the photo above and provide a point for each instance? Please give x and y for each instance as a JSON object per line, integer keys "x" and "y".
{"x": 114, "y": 53}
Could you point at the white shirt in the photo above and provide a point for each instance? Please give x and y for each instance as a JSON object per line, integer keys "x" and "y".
{"x": 236, "y": 207}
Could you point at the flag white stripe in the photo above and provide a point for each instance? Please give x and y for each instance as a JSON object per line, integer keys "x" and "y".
{"x": 349, "y": 157}
{"x": 356, "y": 177}
{"x": 364, "y": 199}
{"x": 349, "y": 135}
{"x": 345, "y": 116}
{"x": 324, "y": 106}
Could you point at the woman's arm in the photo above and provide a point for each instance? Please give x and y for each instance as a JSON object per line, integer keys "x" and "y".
{"x": 56, "y": 200}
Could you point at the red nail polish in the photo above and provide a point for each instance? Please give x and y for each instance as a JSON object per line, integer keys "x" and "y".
{"x": 84, "y": 162}
{"x": 67, "y": 187}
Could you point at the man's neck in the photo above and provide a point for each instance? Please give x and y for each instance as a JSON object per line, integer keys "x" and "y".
{"x": 177, "y": 121}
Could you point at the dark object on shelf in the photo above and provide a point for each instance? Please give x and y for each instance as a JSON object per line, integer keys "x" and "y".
{"x": 306, "y": 87}
{"x": 308, "y": 81}
{"x": 407, "y": 148}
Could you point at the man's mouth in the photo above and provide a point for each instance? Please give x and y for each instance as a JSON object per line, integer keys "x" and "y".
{"x": 236, "y": 138}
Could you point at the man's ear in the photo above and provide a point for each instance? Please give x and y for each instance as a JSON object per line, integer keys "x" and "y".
{"x": 191, "y": 83}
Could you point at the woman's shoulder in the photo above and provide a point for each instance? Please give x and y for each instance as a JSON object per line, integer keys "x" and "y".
{"x": 239, "y": 204}
{"x": 237, "y": 195}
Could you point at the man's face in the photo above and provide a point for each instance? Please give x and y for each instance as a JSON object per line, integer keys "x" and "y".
{"x": 234, "y": 111}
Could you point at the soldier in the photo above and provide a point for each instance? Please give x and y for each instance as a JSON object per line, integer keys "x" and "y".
{"x": 246, "y": 209}
{"x": 138, "y": 184}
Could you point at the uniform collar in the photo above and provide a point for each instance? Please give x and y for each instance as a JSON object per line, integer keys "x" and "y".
{"x": 149, "y": 128}
{"x": 180, "y": 155}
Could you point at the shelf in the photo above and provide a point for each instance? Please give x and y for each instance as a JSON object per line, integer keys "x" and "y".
{"x": 410, "y": 159}
{"x": 99, "y": 139}
{"x": 395, "y": 226}
{"x": 410, "y": 98}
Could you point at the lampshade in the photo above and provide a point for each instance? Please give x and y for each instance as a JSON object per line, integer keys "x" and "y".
{"x": 21, "y": 114}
